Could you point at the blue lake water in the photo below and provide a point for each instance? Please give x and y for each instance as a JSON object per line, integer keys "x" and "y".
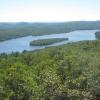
{"x": 23, "y": 43}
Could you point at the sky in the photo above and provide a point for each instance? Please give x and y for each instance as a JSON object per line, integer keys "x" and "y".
{"x": 49, "y": 10}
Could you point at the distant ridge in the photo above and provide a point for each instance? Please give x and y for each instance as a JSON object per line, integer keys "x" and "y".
{"x": 83, "y": 24}
{"x": 18, "y": 29}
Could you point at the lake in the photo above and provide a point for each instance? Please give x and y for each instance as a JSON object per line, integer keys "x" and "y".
{"x": 23, "y": 43}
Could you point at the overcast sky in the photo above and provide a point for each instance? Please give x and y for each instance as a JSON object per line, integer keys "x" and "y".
{"x": 49, "y": 10}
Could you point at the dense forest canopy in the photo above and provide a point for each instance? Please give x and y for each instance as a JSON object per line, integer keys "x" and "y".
{"x": 49, "y": 49}
{"x": 47, "y": 41}
{"x": 67, "y": 72}
{"x": 14, "y": 30}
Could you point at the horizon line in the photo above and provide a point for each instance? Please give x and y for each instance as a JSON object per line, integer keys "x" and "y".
{"x": 49, "y": 22}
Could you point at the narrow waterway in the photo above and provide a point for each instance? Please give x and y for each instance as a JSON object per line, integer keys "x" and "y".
{"x": 23, "y": 43}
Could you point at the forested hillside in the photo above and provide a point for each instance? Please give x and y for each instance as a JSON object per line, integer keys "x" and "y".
{"x": 67, "y": 72}
{"x": 14, "y": 30}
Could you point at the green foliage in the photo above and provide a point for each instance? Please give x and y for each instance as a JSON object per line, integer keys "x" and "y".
{"x": 15, "y": 30}
{"x": 67, "y": 72}
{"x": 47, "y": 41}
